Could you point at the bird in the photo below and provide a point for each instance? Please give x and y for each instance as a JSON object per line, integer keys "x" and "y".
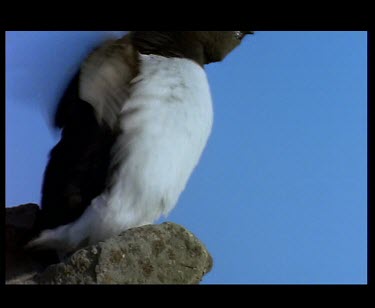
{"x": 134, "y": 122}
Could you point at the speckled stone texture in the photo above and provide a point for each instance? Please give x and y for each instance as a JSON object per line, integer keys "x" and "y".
{"x": 153, "y": 254}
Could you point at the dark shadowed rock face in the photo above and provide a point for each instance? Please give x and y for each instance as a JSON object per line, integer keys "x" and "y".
{"x": 153, "y": 254}
{"x": 18, "y": 229}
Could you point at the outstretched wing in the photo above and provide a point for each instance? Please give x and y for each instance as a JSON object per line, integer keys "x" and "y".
{"x": 87, "y": 113}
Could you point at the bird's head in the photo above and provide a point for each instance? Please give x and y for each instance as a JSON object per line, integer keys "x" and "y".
{"x": 204, "y": 47}
{"x": 218, "y": 44}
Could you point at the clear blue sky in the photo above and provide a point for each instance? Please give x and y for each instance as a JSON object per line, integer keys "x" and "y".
{"x": 280, "y": 195}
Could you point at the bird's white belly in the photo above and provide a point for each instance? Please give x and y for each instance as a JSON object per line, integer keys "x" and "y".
{"x": 164, "y": 126}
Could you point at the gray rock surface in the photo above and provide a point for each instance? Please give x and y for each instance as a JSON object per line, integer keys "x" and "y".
{"x": 153, "y": 254}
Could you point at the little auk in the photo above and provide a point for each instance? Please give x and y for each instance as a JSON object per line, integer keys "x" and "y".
{"x": 135, "y": 120}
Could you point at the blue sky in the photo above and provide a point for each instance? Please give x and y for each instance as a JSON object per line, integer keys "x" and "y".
{"x": 280, "y": 194}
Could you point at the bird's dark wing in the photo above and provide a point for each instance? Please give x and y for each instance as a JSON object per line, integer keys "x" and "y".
{"x": 102, "y": 82}
{"x": 87, "y": 113}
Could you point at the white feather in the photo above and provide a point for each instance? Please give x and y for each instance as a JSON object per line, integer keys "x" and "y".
{"x": 165, "y": 126}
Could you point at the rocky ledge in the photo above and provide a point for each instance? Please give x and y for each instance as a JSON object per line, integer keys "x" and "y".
{"x": 154, "y": 254}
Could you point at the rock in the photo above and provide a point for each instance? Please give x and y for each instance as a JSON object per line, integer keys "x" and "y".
{"x": 19, "y": 223}
{"x": 153, "y": 254}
